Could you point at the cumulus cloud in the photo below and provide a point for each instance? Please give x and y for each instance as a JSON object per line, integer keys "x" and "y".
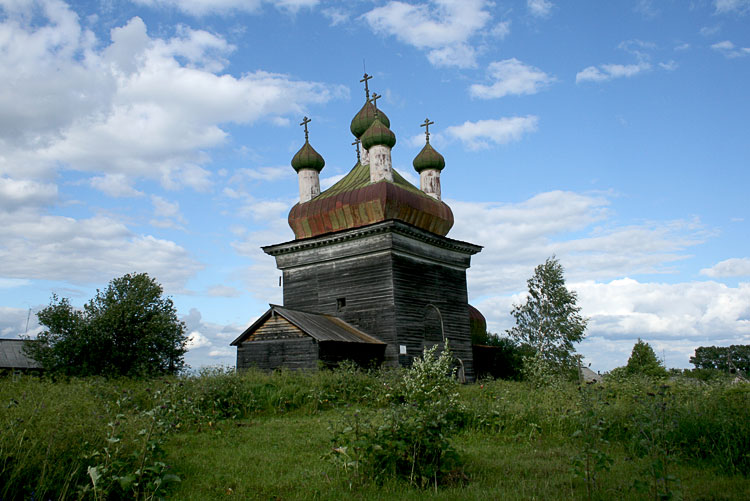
{"x": 606, "y": 72}
{"x": 575, "y": 227}
{"x": 481, "y": 134}
{"x": 208, "y": 342}
{"x": 539, "y": 8}
{"x": 443, "y": 28}
{"x": 511, "y": 76}
{"x": 730, "y": 50}
{"x": 203, "y": 7}
{"x": 85, "y": 251}
{"x": 138, "y": 107}
{"x": 732, "y": 6}
{"x": 223, "y": 291}
{"x": 116, "y": 185}
{"x": 734, "y": 267}
{"x": 167, "y": 214}
{"x": 18, "y": 194}
{"x": 674, "y": 317}
{"x": 598, "y": 255}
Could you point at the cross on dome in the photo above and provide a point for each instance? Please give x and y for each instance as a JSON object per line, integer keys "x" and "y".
{"x": 305, "y": 121}
{"x": 426, "y": 126}
{"x": 374, "y": 100}
{"x": 365, "y": 78}
{"x": 356, "y": 142}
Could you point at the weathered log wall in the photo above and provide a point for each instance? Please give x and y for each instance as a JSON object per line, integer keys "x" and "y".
{"x": 381, "y": 279}
{"x": 297, "y": 353}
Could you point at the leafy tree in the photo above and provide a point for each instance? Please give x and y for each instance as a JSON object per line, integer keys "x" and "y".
{"x": 643, "y": 361}
{"x": 549, "y": 321}
{"x": 723, "y": 358}
{"x": 128, "y": 329}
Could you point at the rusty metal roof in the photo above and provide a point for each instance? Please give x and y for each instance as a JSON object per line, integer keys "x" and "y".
{"x": 12, "y": 355}
{"x": 354, "y": 202}
{"x": 320, "y": 327}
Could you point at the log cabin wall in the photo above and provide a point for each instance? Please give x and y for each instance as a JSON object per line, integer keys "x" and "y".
{"x": 381, "y": 278}
{"x": 278, "y": 343}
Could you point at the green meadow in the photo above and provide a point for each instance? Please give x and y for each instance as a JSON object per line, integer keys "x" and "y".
{"x": 353, "y": 434}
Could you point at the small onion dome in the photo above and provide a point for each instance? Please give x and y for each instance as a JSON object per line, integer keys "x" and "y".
{"x": 308, "y": 158}
{"x": 428, "y": 158}
{"x": 378, "y": 133}
{"x": 366, "y": 116}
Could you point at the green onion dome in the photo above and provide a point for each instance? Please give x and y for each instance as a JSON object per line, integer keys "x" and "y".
{"x": 308, "y": 158}
{"x": 366, "y": 116}
{"x": 428, "y": 158}
{"x": 378, "y": 133}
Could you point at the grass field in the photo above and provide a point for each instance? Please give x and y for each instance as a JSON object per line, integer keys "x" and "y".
{"x": 272, "y": 436}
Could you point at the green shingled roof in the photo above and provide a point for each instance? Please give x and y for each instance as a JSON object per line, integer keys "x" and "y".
{"x": 359, "y": 177}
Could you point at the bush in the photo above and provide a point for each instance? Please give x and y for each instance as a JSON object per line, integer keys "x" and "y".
{"x": 410, "y": 439}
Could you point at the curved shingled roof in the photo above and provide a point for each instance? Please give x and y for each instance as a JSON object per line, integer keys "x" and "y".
{"x": 354, "y": 201}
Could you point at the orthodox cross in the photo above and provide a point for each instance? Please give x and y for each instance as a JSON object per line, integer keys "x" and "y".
{"x": 426, "y": 126}
{"x": 306, "y": 121}
{"x": 365, "y": 78}
{"x": 356, "y": 142}
{"x": 374, "y": 100}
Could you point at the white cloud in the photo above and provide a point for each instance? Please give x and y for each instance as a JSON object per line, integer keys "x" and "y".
{"x": 734, "y": 267}
{"x": 511, "y": 76}
{"x": 606, "y": 72}
{"x": 138, "y": 107}
{"x": 443, "y": 27}
{"x": 675, "y": 317}
{"x": 597, "y": 253}
{"x": 15, "y": 322}
{"x": 337, "y": 16}
{"x": 197, "y": 340}
{"x": 223, "y": 291}
{"x": 730, "y": 50}
{"x": 167, "y": 213}
{"x": 479, "y": 135}
{"x": 85, "y": 251}
{"x": 209, "y": 342}
{"x": 267, "y": 173}
{"x": 203, "y": 7}
{"x": 17, "y": 194}
{"x": 729, "y": 6}
{"x": 575, "y": 227}
{"x": 501, "y": 30}
{"x": 115, "y": 185}
{"x": 539, "y": 8}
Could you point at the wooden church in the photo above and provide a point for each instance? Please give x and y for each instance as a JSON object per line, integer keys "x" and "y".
{"x": 370, "y": 275}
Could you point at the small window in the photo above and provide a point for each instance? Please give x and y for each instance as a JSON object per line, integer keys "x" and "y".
{"x": 340, "y": 304}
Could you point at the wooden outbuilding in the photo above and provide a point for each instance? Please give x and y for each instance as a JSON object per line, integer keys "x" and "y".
{"x": 293, "y": 339}
{"x": 13, "y": 358}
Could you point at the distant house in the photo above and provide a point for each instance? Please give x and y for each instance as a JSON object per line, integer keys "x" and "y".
{"x": 13, "y": 359}
{"x": 590, "y": 376}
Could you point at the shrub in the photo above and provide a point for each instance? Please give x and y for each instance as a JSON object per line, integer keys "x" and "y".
{"x": 410, "y": 439}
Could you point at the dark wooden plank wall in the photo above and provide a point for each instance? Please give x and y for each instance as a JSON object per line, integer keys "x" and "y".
{"x": 276, "y": 328}
{"x": 366, "y": 355}
{"x": 300, "y": 353}
{"x": 418, "y": 283}
{"x": 364, "y": 282}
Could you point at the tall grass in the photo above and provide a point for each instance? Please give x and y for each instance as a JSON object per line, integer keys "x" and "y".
{"x": 96, "y": 439}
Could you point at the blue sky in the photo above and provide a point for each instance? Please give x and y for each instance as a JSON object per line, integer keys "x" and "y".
{"x": 156, "y": 136}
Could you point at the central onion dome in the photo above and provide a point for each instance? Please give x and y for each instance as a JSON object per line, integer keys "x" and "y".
{"x": 364, "y": 119}
{"x": 378, "y": 133}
